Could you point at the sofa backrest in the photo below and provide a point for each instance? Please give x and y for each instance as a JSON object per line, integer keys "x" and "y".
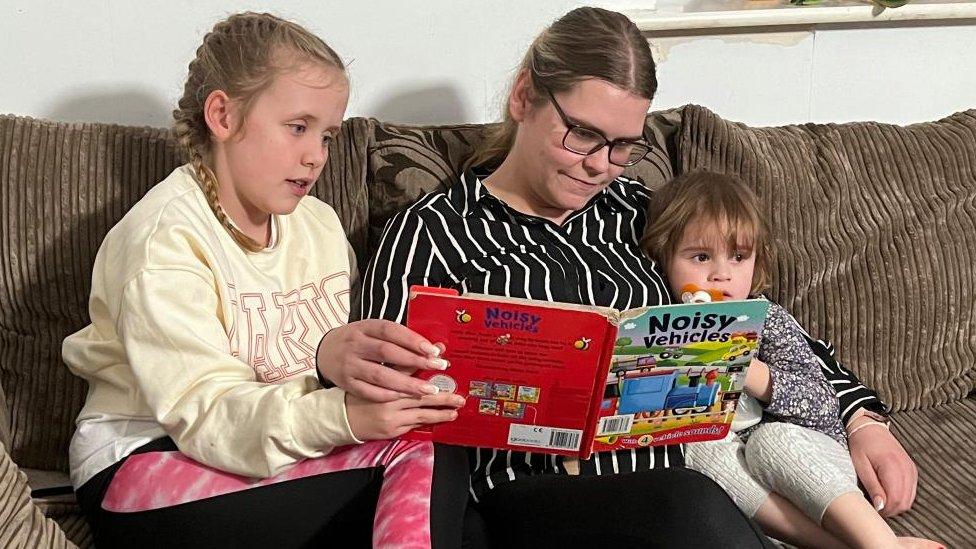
{"x": 875, "y": 229}
{"x": 63, "y": 186}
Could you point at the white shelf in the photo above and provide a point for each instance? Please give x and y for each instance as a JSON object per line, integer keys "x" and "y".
{"x": 649, "y": 20}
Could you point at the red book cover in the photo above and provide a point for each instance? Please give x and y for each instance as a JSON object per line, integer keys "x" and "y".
{"x": 533, "y": 374}
{"x": 571, "y": 379}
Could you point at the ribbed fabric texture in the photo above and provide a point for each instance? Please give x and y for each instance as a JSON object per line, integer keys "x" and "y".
{"x": 875, "y": 230}
{"x": 4, "y": 420}
{"x": 62, "y": 186}
{"x": 942, "y": 441}
{"x": 22, "y": 525}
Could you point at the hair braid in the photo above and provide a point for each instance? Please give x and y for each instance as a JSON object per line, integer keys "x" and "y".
{"x": 241, "y": 56}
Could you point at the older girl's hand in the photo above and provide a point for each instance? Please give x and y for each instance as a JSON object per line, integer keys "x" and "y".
{"x": 385, "y": 420}
{"x": 373, "y": 360}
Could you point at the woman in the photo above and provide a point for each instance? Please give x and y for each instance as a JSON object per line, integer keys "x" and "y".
{"x": 546, "y": 215}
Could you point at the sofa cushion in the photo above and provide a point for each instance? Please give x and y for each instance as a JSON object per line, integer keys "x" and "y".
{"x": 406, "y": 162}
{"x": 65, "y": 511}
{"x": 942, "y": 441}
{"x": 875, "y": 228}
{"x": 62, "y": 187}
{"x": 343, "y": 182}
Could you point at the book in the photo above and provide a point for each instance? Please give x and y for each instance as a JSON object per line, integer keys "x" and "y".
{"x": 575, "y": 379}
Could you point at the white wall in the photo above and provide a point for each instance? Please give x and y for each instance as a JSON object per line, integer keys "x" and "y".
{"x": 891, "y": 74}
{"x": 442, "y": 61}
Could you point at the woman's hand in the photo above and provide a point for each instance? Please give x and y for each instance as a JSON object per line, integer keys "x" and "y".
{"x": 385, "y": 420}
{"x": 883, "y": 466}
{"x": 373, "y": 360}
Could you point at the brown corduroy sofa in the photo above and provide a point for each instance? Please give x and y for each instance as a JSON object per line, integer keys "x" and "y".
{"x": 875, "y": 227}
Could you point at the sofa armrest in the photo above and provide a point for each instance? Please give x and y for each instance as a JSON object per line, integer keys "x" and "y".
{"x": 21, "y": 523}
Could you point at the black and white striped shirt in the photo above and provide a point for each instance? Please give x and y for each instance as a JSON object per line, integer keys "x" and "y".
{"x": 465, "y": 238}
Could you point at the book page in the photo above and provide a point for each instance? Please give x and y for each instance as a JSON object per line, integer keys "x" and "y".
{"x": 677, "y": 373}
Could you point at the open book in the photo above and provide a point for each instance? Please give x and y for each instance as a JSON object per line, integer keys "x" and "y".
{"x": 575, "y": 379}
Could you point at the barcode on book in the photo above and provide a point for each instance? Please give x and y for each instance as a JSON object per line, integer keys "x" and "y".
{"x": 544, "y": 437}
{"x": 615, "y": 425}
{"x": 564, "y": 440}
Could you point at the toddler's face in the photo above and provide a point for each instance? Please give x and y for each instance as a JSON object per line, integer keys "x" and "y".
{"x": 703, "y": 258}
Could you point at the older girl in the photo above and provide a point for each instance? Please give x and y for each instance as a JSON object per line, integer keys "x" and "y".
{"x": 205, "y": 424}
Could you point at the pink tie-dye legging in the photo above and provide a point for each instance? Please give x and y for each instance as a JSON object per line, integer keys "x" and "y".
{"x": 155, "y": 480}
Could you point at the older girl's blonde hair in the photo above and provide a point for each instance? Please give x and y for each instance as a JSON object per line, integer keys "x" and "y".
{"x": 712, "y": 198}
{"x": 241, "y": 56}
{"x": 585, "y": 43}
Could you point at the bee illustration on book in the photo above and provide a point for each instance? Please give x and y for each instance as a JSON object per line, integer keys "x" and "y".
{"x": 582, "y": 343}
{"x": 504, "y": 339}
{"x": 462, "y": 316}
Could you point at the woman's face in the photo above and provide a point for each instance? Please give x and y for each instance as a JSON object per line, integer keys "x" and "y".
{"x": 559, "y": 181}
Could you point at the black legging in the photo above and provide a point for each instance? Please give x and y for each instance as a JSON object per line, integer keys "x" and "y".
{"x": 674, "y": 507}
{"x": 328, "y": 510}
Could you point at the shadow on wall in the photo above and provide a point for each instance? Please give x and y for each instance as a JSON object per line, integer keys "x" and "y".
{"x": 133, "y": 107}
{"x": 423, "y": 105}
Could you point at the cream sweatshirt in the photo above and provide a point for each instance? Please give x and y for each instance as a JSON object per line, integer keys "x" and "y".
{"x": 194, "y": 338}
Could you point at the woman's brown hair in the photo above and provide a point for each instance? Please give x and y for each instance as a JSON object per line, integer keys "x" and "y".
{"x": 241, "y": 56}
{"x": 711, "y": 198}
{"x": 585, "y": 43}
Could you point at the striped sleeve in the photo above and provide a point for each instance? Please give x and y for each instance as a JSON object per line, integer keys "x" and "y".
{"x": 853, "y": 395}
{"x": 406, "y": 256}
{"x": 800, "y": 392}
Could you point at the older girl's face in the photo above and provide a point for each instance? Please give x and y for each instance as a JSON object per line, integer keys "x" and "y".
{"x": 276, "y": 152}
{"x": 559, "y": 181}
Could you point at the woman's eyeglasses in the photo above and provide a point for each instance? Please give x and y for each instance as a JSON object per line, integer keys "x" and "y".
{"x": 584, "y": 141}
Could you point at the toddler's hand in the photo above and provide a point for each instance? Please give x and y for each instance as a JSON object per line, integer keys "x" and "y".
{"x": 758, "y": 381}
